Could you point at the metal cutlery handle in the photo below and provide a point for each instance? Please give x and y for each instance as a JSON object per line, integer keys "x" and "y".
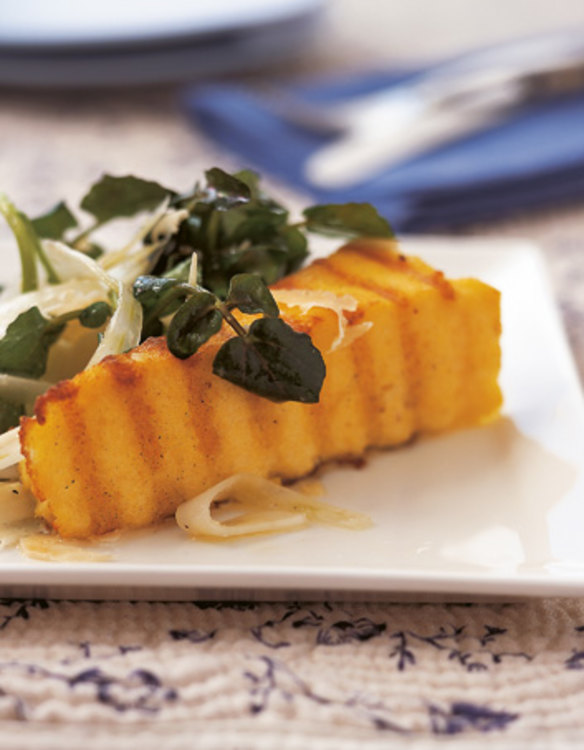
{"x": 510, "y": 73}
{"x": 452, "y": 98}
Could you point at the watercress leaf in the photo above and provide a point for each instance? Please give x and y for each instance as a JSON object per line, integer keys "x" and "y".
{"x": 192, "y": 225}
{"x": 95, "y": 315}
{"x": 151, "y": 327}
{"x": 159, "y": 296}
{"x": 227, "y": 185}
{"x": 115, "y": 197}
{"x": 9, "y": 415}
{"x": 217, "y": 281}
{"x": 252, "y": 223}
{"x": 150, "y": 290}
{"x": 347, "y": 219}
{"x": 249, "y": 293}
{"x": 273, "y": 361}
{"x": 251, "y": 179}
{"x": 296, "y": 245}
{"x": 194, "y": 323}
{"x": 54, "y": 223}
{"x": 180, "y": 247}
{"x": 25, "y": 346}
{"x": 267, "y": 261}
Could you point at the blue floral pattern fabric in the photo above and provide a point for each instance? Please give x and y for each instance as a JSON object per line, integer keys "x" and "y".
{"x": 322, "y": 675}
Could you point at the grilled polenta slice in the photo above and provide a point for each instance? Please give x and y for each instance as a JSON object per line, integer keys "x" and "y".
{"x": 123, "y": 443}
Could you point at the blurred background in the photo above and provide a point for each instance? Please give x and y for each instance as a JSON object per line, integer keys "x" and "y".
{"x": 166, "y": 90}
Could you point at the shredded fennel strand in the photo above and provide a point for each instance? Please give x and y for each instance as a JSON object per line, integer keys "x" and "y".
{"x": 306, "y": 299}
{"x": 247, "y": 504}
{"x": 165, "y": 222}
{"x": 51, "y": 548}
{"x": 10, "y": 448}
{"x": 124, "y": 327}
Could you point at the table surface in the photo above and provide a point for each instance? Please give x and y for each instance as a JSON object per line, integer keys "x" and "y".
{"x": 324, "y": 675}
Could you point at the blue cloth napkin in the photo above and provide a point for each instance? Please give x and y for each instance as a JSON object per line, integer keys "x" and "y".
{"x": 534, "y": 159}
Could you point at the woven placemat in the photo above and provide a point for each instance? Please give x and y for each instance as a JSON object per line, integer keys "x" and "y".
{"x": 212, "y": 675}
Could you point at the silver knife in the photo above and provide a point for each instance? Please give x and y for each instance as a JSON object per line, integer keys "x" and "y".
{"x": 455, "y": 98}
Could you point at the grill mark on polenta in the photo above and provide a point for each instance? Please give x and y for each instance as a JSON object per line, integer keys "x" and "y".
{"x": 199, "y": 390}
{"x": 175, "y": 439}
{"x": 354, "y": 280}
{"x": 128, "y": 378}
{"x": 86, "y": 472}
{"x": 328, "y": 275}
{"x": 267, "y": 427}
{"x": 411, "y": 360}
{"x": 404, "y": 309}
{"x": 256, "y": 436}
{"x": 441, "y": 283}
{"x": 122, "y": 369}
{"x": 362, "y": 352}
{"x": 398, "y": 262}
{"x": 81, "y": 458}
{"x": 464, "y": 397}
{"x": 142, "y": 465}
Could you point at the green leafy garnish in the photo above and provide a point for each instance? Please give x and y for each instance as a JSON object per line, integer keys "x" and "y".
{"x": 24, "y": 349}
{"x": 234, "y": 228}
{"x": 269, "y": 358}
{"x": 116, "y": 197}
{"x": 53, "y": 224}
{"x": 229, "y": 186}
{"x": 195, "y": 322}
{"x": 242, "y": 240}
{"x": 95, "y": 315}
{"x": 274, "y": 361}
{"x": 251, "y": 295}
{"x": 159, "y": 296}
{"x": 347, "y": 219}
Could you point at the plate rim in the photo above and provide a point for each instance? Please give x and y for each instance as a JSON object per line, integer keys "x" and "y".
{"x": 242, "y": 18}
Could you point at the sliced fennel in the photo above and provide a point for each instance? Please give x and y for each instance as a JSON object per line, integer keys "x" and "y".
{"x": 246, "y": 504}
{"x": 71, "y": 264}
{"x": 306, "y": 299}
{"x": 10, "y": 449}
{"x": 134, "y": 259}
{"x": 193, "y": 270}
{"x": 123, "y": 330}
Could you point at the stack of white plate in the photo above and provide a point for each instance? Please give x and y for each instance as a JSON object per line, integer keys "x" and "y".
{"x": 71, "y": 43}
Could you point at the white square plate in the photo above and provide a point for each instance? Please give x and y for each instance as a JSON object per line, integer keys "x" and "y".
{"x": 493, "y": 512}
